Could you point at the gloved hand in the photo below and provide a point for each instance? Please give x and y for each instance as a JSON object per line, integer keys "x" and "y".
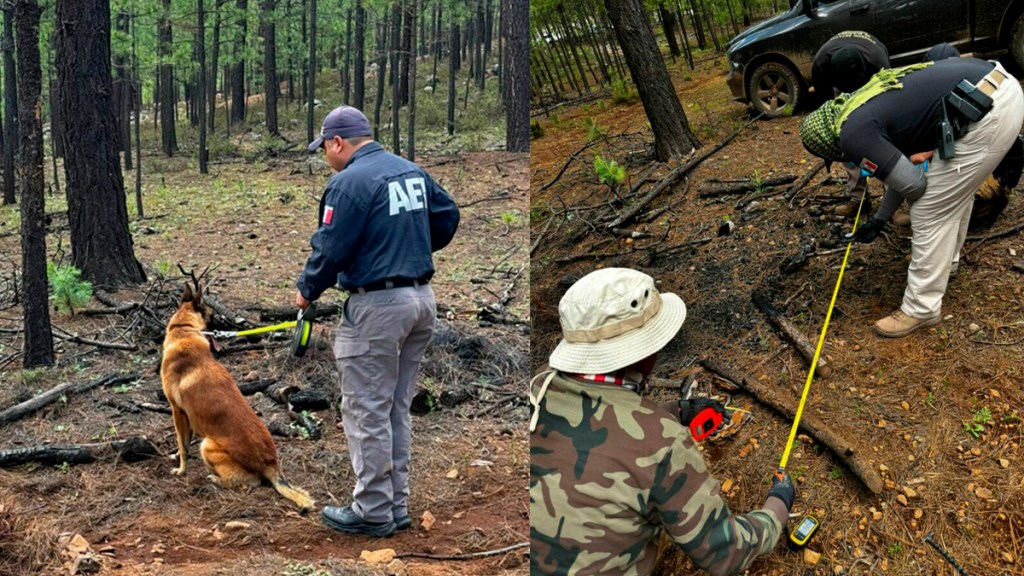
{"x": 688, "y": 409}
{"x": 868, "y": 231}
{"x": 783, "y": 489}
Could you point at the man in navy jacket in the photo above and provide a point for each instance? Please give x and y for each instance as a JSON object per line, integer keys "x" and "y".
{"x": 381, "y": 218}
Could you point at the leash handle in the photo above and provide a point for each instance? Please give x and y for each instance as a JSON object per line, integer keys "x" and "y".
{"x": 821, "y": 343}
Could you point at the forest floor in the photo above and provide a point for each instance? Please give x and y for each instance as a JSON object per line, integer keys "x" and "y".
{"x": 936, "y": 414}
{"x": 251, "y": 221}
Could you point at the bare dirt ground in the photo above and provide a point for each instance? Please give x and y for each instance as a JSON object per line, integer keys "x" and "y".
{"x": 251, "y": 222}
{"x": 937, "y": 414}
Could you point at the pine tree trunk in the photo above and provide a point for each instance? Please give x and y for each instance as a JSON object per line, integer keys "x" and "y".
{"x": 668, "y": 25}
{"x": 359, "y": 69}
{"x": 346, "y": 73}
{"x": 672, "y": 136}
{"x": 602, "y": 63}
{"x": 453, "y": 51}
{"x": 36, "y": 313}
{"x": 123, "y": 96}
{"x": 201, "y": 83}
{"x": 683, "y": 39}
{"x": 517, "y": 76}
{"x": 10, "y": 105}
{"x": 436, "y": 49}
{"x": 211, "y": 95}
{"x": 238, "y": 70}
{"x": 411, "y": 87}
{"x": 396, "y": 84}
{"x": 702, "y": 42}
{"x": 138, "y": 120}
{"x": 101, "y": 245}
{"x": 168, "y": 102}
{"x": 570, "y": 38}
{"x": 271, "y": 88}
{"x": 406, "y": 55}
{"x": 478, "y": 46}
{"x": 488, "y": 29}
{"x": 382, "y": 65}
{"x": 312, "y": 71}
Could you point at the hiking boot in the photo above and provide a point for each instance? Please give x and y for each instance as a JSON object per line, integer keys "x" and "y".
{"x": 849, "y": 208}
{"x": 901, "y": 218}
{"x": 898, "y": 324}
{"x": 954, "y": 269}
{"x": 346, "y": 520}
{"x": 402, "y": 522}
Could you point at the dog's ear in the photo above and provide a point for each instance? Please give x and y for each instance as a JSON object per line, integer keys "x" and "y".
{"x": 187, "y": 295}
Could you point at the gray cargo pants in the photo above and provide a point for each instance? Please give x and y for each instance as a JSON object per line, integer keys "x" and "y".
{"x": 379, "y": 344}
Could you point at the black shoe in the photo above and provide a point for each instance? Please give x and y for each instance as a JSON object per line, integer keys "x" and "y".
{"x": 345, "y": 520}
{"x": 403, "y": 522}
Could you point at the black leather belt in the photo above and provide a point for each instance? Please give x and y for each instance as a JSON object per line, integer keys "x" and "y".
{"x": 392, "y": 283}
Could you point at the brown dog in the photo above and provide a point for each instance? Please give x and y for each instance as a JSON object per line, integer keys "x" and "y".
{"x": 205, "y": 399}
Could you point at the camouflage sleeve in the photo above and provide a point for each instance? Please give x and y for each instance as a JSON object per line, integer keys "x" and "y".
{"x": 688, "y": 502}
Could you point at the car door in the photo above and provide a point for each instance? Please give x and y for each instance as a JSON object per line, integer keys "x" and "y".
{"x": 908, "y": 28}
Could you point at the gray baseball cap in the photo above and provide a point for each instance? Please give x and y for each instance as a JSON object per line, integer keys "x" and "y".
{"x": 344, "y": 121}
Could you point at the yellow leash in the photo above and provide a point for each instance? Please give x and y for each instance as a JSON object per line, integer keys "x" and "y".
{"x": 821, "y": 342}
{"x": 250, "y": 332}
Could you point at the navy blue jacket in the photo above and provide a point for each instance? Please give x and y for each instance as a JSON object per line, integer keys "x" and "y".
{"x": 380, "y": 219}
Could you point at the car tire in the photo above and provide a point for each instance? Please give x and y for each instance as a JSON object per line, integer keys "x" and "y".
{"x": 774, "y": 89}
{"x": 1017, "y": 43}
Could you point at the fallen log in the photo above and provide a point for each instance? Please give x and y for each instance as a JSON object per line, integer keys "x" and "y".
{"x": 749, "y": 186}
{"x": 809, "y": 423}
{"x": 792, "y": 333}
{"x": 133, "y": 449}
{"x": 68, "y": 388}
{"x": 672, "y": 177}
{"x": 135, "y": 407}
{"x": 795, "y": 188}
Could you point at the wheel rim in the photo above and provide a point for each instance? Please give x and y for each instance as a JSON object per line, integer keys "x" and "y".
{"x": 773, "y": 92}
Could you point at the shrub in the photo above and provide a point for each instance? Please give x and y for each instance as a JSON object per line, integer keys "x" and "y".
{"x": 67, "y": 290}
{"x": 609, "y": 172}
{"x": 622, "y": 91}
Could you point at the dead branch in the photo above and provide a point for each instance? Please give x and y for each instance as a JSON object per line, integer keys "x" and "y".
{"x": 567, "y": 163}
{"x": 986, "y": 237}
{"x": 64, "y": 335}
{"x": 795, "y": 188}
{"x": 792, "y": 333}
{"x": 748, "y": 186}
{"x": 135, "y": 407}
{"x": 122, "y": 309}
{"x": 654, "y": 253}
{"x": 500, "y": 195}
{"x": 133, "y": 449}
{"x": 463, "y": 556}
{"x": 68, "y": 388}
{"x": 250, "y": 388}
{"x": 809, "y": 423}
{"x": 672, "y": 177}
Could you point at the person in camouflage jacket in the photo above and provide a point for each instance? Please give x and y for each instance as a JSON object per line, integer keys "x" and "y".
{"x": 610, "y": 470}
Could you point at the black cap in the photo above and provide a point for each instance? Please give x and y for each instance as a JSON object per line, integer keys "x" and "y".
{"x": 344, "y": 121}
{"x": 849, "y": 69}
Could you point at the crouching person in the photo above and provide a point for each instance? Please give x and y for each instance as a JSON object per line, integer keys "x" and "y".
{"x": 610, "y": 470}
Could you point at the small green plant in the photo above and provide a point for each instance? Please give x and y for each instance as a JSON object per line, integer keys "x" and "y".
{"x": 758, "y": 182}
{"x": 594, "y": 132}
{"x": 835, "y": 473}
{"x": 622, "y": 91}
{"x": 64, "y": 468}
{"x": 122, "y": 388}
{"x": 67, "y": 290}
{"x": 111, "y": 431}
{"x": 687, "y": 77}
{"x": 60, "y": 427}
{"x": 555, "y": 120}
{"x": 163, "y": 267}
{"x": 895, "y": 549}
{"x": 536, "y": 130}
{"x": 1011, "y": 418}
{"x": 510, "y": 217}
{"x": 609, "y": 172}
{"x": 30, "y": 376}
{"x": 976, "y": 426}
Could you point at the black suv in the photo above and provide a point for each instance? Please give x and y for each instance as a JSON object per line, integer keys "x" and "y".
{"x": 770, "y": 62}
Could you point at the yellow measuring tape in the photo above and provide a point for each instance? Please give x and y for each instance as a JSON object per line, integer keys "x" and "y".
{"x": 821, "y": 342}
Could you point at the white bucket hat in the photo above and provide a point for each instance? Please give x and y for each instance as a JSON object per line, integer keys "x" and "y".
{"x": 613, "y": 318}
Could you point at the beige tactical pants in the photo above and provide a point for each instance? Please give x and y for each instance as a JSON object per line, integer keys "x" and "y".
{"x": 380, "y": 341}
{"x": 940, "y": 217}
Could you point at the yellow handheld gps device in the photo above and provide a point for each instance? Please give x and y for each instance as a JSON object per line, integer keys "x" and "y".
{"x": 805, "y": 528}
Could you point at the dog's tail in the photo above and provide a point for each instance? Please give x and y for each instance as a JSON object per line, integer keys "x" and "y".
{"x": 301, "y": 498}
